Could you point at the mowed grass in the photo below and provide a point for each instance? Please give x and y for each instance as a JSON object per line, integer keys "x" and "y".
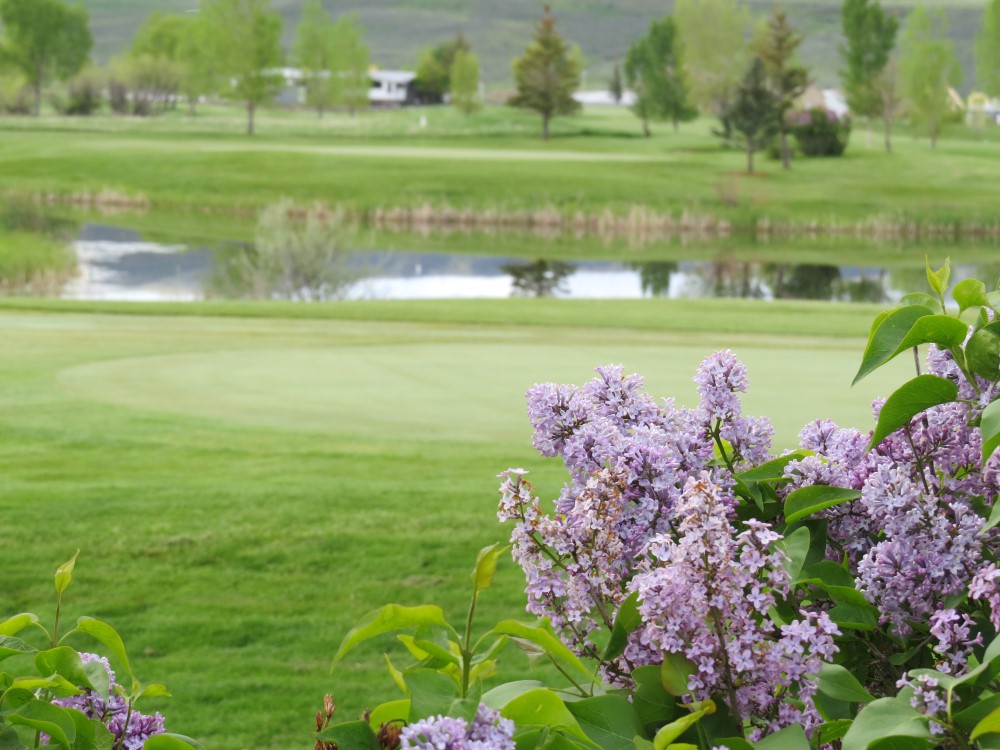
{"x": 492, "y": 162}
{"x": 243, "y": 489}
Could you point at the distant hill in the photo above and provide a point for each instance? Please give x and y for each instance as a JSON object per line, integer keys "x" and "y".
{"x": 397, "y": 30}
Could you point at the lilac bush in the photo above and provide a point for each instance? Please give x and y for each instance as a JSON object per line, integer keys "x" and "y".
{"x": 488, "y": 730}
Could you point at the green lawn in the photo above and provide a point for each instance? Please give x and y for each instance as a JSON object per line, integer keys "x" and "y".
{"x": 492, "y": 162}
{"x": 242, "y": 488}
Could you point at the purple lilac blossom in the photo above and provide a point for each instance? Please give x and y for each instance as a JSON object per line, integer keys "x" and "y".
{"x": 112, "y": 712}
{"x": 928, "y": 698}
{"x": 488, "y": 731}
{"x": 707, "y": 595}
{"x": 628, "y": 461}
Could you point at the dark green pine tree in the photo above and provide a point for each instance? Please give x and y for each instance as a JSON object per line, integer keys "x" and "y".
{"x": 750, "y": 115}
{"x": 869, "y": 37}
{"x": 616, "y": 86}
{"x": 547, "y": 74}
{"x": 788, "y": 78}
{"x": 655, "y": 71}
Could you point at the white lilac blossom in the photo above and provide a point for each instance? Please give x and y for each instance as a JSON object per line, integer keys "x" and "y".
{"x": 129, "y": 735}
{"x": 628, "y": 460}
{"x": 707, "y": 595}
{"x": 487, "y": 731}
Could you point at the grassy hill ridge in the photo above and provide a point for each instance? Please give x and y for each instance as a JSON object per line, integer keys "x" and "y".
{"x": 397, "y": 30}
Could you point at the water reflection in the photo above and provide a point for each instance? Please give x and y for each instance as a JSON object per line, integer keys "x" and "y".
{"x": 542, "y": 278}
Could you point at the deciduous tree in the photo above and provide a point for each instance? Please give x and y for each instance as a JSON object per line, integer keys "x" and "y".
{"x": 465, "y": 82}
{"x": 750, "y": 116}
{"x": 715, "y": 47}
{"x": 547, "y": 74}
{"x": 988, "y": 49}
{"x": 315, "y": 54}
{"x": 44, "y": 40}
{"x": 247, "y": 37}
{"x": 433, "y": 79}
{"x": 351, "y": 62}
{"x": 615, "y": 86}
{"x": 869, "y": 38}
{"x": 927, "y": 67}
{"x": 788, "y": 79}
{"x": 654, "y": 69}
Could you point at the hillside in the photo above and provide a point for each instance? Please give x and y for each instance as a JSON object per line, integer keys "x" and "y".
{"x": 397, "y": 30}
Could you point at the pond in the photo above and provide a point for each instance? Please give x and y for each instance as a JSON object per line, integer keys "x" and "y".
{"x": 118, "y": 264}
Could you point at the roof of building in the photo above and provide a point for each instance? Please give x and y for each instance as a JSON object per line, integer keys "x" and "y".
{"x": 392, "y": 76}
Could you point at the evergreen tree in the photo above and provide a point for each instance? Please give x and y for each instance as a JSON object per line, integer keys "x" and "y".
{"x": 44, "y": 40}
{"x": 547, "y": 74}
{"x": 869, "y": 37}
{"x": 988, "y": 49}
{"x": 315, "y": 53}
{"x": 927, "y": 67}
{"x": 655, "y": 71}
{"x": 615, "y": 86}
{"x": 465, "y": 82}
{"x": 247, "y": 36}
{"x": 433, "y": 79}
{"x": 750, "y": 116}
{"x": 787, "y": 78}
{"x": 715, "y": 47}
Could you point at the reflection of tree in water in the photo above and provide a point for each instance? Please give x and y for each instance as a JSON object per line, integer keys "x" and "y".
{"x": 805, "y": 281}
{"x": 724, "y": 277}
{"x": 542, "y": 278}
{"x": 654, "y": 277}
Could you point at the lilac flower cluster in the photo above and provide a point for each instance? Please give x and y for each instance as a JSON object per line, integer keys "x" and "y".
{"x": 928, "y": 698}
{"x": 487, "y": 731}
{"x": 131, "y": 729}
{"x": 913, "y": 537}
{"x": 707, "y": 596}
{"x": 629, "y": 460}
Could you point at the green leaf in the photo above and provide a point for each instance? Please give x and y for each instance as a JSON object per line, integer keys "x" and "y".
{"x": 806, "y": 501}
{"x": 853, "y": 616}
{"x": 389, "y": 618}
{"x": 796, "y": 548}
{"x": 982, "y": 353}
{"x": 626, "y": 620}
{"x": 66, "y": 662}
{"x": 838, "y": 683}
{"x": 17, "y": 623}
{"x": 486, "y": 566}
{"x": 431, "y": 692}
{"x": 543, "y": 707}
{"x": 886, "y": 338}
{"x": 987, "y": 725}
{"x": 438, "y": 655}
{"x": 675, "y": 729}
{"x": 909, "y": 400}
{"x": 831, "y": 731}
{"x": 917, "y": 298}
{"x": 969, "y": 293}
{"x": 885, "y": 717}
{"x": 13, "y": 646}
{"x": 64, "y": 573}
{"x": 773, "y": 470}
{"x": 790, "y": 738}
{"x": 972, "y": 715}
{"x": 466, "y": 708}
{"x": 989, "y": 426}
{"x": 900, "y": 743}
{"x": 943, "y": 330}
{"x": 503, "y": 694}
{"x": 350, "y": 735}
{"x": 170, "y": 742}
{"x": 390, "y": 712}
{"x": 42, "y": 716}
{"x": 938, "y": 280}
{"x": 58, "y": 685}
{"x": 542, "y": 636}
{"x": 156, "y": 690}
{"x": 99, "y": 678}
{"x": 609, "y": 720}
{"x": 653, "y": 703}
{"x": 675, "y": 673}
{"x": 109, "y": 638}
{"x": 829, "y": 573}
{"x": 734, "y": 743}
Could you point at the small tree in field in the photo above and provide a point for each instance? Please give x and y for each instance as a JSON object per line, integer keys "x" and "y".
{"x": 465, "y": 82}
{"x": 247, "y": 39}
{"x": 927, "y": 67}
{"x": 715, "y": 48}
{"x": 750, "y": 117}
{"x": 655, "y": 71}
{"x": 869, "y": 36}
{"x": 351, "y": 61}
{"x": 315, "y": 53}
{"x": 44, "y": 40}
{"x": 547, "y": 74}
{"x": 988, "y": 49}
{"x": 615, "y": 86}
{"x": 788, "y": 79}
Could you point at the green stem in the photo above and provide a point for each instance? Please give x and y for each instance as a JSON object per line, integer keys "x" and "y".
{"x": 54, "y": 639}
{"x": 564, "y": 673}
{"x": 467, "y": 646}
